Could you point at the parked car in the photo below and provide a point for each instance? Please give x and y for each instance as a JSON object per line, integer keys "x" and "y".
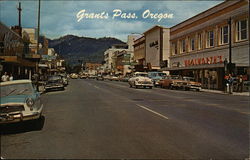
{"x": 54, "y": 82}
{"x": 171, "y": 82}
{"x": 83, "y": 76}
{"x": 99, "y": 78}
{"x": 20, "y": 102}
{"x": 156, "y": 77}
{"x": 114, "y": 78}
{"x": 140, "y": 79}
{"x": 191, "y": 84}
{"x": 74, "y": 76}
{"x": 91, "y": 76}
{"x": 65, "y": 79}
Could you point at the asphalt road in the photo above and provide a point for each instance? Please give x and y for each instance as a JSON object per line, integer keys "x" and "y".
{"x": 108, "y": 120}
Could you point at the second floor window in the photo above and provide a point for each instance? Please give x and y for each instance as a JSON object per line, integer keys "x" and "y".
{"x": 224, "y": 33}
{"x": 241, "y": 27}
{"x": 174, "y": 48}
{"x": 210, "y": 39}
{"x": 191, "y": 45}
{"x": 183, "y": 46}
{"x": 199, "y": 41}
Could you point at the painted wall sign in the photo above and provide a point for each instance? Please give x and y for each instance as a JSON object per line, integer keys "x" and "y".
{"x": 202, "y": 61}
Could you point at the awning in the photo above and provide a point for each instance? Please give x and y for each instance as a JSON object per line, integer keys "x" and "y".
{"x": 18, "y": 60}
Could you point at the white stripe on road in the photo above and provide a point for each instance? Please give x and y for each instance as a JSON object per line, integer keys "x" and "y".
{"x": 96, "y": 87}
{"x": 152, "y": 111}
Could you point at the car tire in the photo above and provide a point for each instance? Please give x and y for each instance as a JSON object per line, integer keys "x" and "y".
{"x": 150, "y": 87}
{"x": 39, "y": 123}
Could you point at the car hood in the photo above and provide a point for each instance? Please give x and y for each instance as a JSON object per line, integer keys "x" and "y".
{"x": 15, "y": 99}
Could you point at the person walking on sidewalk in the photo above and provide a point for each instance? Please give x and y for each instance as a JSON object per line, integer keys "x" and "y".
{"x": 240, "y": 84}
{"x": 230, "y": 83}
{"x": 11, "y": 77}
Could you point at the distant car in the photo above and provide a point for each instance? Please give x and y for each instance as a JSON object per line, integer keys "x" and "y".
{"x": 140, "y": 79}
{"x": 92, "y": 76}
{"x": 54, "y": 82}
{"x": 191, "y": 84}
{"x": 114, "y": 78}
{"x": 83, "y": 76}
{"x": 125, "y": 79}
{"x": 74, "y": 76}
{"x": 99, "y": 78}
{"x": 20, "y": 102}
{"x": 156, "y": 77}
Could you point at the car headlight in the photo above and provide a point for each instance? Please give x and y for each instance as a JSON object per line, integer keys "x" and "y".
{"x": 137, "y": 79}
{"x": 30, "y": 102}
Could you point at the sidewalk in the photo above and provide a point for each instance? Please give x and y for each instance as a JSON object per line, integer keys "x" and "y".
{"x": 222, "y": 92}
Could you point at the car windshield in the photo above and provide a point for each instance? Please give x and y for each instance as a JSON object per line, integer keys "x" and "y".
{"x": 188, "y": 78}
{"x": 53, "y": 78}
{"x": 141, "y": 74}
{"x": 16, "y": 89}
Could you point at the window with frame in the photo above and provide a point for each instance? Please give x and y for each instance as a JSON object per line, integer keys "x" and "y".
{"x": 224, "y": 35}
{"x": 241, "y": 28}
{"x": 199, "y": 41}
{"x": 210, "y": 39}
{"x": 191, "y": 44}
{"x": 183, "y": 46}
{"x": 174, "y": 48}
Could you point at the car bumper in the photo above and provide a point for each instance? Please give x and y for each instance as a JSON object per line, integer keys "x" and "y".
{"x": 144, "y": 84}
{"x": 20, "y": 117}
{"x": 54, "y": 87}
{"x": 195, "y": 87}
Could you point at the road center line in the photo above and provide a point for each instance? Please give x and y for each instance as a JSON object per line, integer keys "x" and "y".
{"x": 143, "y": 107}
{"x": 96, "y": 87}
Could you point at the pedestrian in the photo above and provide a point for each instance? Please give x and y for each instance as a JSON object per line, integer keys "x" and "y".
{"x": 5, "y": 77}
{"x": 11, "y": 77}
{"x": 230, "y": 83}
{"x": 240, "y": 84}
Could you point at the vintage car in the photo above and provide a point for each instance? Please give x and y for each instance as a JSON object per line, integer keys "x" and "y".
{"x": 140, "y": 79}
{"x": 83, "y": 76}
{"x": 156, "y": 77}
{"x": 65, "y": 79}
{"x": 172, "y": 82}
{"x": 191, "y": 84}
{"x": 74, "y": 76}
{"x": 54, "y": 82}
{"x": 99, "y": 78}
{"x": 20, "y": 102}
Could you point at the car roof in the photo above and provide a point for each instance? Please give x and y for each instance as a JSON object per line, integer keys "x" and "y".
{"x": 15, "y": 82}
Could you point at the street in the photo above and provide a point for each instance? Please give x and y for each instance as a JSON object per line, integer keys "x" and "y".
{"x": 93, "y": 119}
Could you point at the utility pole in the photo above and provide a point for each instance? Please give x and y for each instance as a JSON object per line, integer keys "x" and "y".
{"x": 38, "y": 33}
{"x": 19, "y": 18}
{"x": 38, "y": 25}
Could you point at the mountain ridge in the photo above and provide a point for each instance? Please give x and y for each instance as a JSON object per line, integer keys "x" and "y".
{"x": 86, "y": 49}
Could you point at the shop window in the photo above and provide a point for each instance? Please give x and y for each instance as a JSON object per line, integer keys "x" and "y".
{"x": 224, "y": 33}
{"x": 199, "y": 41}
{"x": 241, "y": 28}
{"x": 210, "y": 39}
{"x": 191, "y": 44}
{"x": 183, "y": 46}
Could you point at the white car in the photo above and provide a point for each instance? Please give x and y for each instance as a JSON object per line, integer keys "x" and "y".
{"x": 20, "y": 102}
{"x": 140, "y": 79}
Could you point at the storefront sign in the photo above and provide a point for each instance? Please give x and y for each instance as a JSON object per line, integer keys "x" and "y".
{"x": 152, "y": 44}
{"x": 202, "y": 61}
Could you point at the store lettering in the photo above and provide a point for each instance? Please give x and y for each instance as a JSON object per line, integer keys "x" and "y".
{"x": 202, "y": 61}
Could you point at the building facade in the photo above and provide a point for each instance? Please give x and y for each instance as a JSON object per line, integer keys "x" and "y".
{"x": 15, "y": 53}
{"x": 157, "y": 47}
{"x": 200, "y": 45}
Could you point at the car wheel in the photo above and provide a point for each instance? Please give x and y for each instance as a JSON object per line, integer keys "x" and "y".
{"x": 197, "y": 90}
{"x": 150, "y": 87}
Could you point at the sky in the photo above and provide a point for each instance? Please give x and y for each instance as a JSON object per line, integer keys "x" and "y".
{"x": 98, "y": 19}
